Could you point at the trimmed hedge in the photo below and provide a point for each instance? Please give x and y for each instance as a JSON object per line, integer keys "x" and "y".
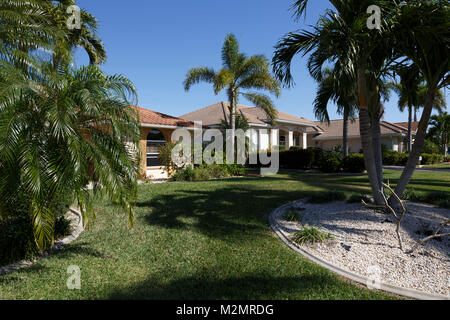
{"x": 354, "y": 163}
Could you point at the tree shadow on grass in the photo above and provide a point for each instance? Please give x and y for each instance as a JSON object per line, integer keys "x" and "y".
{"x": 244, "y": 287}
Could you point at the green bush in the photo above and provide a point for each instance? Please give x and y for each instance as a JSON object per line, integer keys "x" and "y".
{"x": 354, "y": 163}
{"x": 430, "y": 147}
{"x": 431, "y": 158}
{"x": 311, "y": 235}
{"x": 327, "y": 196}
{"x": 291, "y": 216}
{"x": 330, "y": 163}
{"x": 16, "y": 229}
{"x": 206, "y": 172}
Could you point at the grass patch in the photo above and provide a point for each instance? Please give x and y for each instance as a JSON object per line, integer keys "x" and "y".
{"x": 206, "y": 240}
{"x": 311, "y": 235}
{"x": 292, "y": 216}
{"x": 438, "y": 198}
{"x": 327, "y": 196}
{"x": 357, "y": 198}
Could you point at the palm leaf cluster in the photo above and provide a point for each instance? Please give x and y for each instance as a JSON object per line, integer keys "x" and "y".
{"x": 61, "y": 128}
{"x": 239, "y": 74}
{"x": 412, "y": 34}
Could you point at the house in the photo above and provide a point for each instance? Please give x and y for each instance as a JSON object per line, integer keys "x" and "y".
{"x": 289, "y": 131}
{"x": 329, "y": 135}
{"x": 156, "y": 129}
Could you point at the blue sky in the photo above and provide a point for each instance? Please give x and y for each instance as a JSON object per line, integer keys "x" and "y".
{"x": 154, "y": 43}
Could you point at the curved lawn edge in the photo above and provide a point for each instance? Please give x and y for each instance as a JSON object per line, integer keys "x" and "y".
{"x": 410, "y": 293}
{"x": 59, "y": 245}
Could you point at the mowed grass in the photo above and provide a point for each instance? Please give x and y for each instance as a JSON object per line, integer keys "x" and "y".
{"x": 203, "y": 240}
{"x": 439, "y": 166}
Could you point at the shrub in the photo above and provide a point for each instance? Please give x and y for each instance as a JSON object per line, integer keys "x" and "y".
{"x": 291, "y": 216}
{"x": 327, "y": 196}
{"x": 16, "y": 230}
{"x": 430, "y": 147}
{"x": 391, "y": 158}
{"x": 330, "y": 163}
{"x": 434, "y": 158}
{"x": 207, "y": 172}
{"x": 354, "y": 163}
{"x": 311, "y": 235}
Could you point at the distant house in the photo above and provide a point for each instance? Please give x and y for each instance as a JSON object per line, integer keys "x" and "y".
{"x": 289, "y": 130}
{"x": 329, "y": 135}
{"x": 156, "y": 129}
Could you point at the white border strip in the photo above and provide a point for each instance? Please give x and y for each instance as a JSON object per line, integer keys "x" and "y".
{"x": 410, "y": 293}
{"x": 60, "y": 244}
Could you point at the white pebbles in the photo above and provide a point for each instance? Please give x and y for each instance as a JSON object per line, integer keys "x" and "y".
{"x": 365, "y": 240}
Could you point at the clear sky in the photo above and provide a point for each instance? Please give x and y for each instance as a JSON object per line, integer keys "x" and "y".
{"x": 154, "y": 43}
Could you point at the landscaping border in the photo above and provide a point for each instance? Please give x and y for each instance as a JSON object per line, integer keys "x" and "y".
{"x": 410, "y": 293}
{"x": 60, "y": 244}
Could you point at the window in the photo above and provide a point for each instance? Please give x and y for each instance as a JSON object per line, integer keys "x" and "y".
{"x": 297, "y": 141}
{"x": 283, "y": 141}
{"x": 155, "y": 139}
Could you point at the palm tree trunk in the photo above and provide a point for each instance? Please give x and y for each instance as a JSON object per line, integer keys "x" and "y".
{"x": 232, "y": 123}
{"x": 376, "y": 143}
{"x": 345, "y": 132}
{"x": 417, "y": 146}
{"x": 366, "y": 135}
{"x": 410, "y": 110}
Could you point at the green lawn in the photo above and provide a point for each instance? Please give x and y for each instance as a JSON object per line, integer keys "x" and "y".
{"x": 204, "y": 240}
{"x": 439, "y": 166}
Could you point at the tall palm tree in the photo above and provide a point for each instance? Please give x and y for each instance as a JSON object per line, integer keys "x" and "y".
{"x": 342, "y": 39}
{"x": 408, "y": 29}
{"x": 440, "y": 131}
{"x": 66, "y": 129}
{"x": 412, "y": 94}
{"x": 424, "y": 30}
{"x": 407, "y": 90}
{"x": 239, "y": 73}
{"x": 85, "y": 37}
{"x": 334, "y": 87}
{"x": 24, "y": 26}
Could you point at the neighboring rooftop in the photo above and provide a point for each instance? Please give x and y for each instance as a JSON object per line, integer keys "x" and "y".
{"x": 214, "y": 114}
{"x": 335, "y": 127}
{"x": 414, "y": 125}
{"x": 147, "y": 116}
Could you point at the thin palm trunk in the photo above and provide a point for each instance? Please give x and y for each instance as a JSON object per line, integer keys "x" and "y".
{"x": 366, "y": 136}
{"x": 417, "y": 147}
{"x": 345, "y": 132}
{"x": 376, "y": 145}
{"x": 410, "y": 110}
{"x": 232, "y": 125}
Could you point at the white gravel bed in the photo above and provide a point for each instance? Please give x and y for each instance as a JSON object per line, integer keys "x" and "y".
{"x": 365, "y": 242}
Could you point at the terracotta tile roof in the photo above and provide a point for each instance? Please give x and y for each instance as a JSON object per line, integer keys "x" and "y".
{"x": 214, "y": 114}
{"x": 147, "y": 116}
{"x": 335, "y": 128}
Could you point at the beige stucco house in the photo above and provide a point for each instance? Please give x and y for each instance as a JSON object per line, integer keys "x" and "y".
{"x": 289, "y": 131}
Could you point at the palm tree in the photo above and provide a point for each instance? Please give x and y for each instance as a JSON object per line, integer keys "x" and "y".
{"x": 342, "y": 39}
{"x": 412, "y": 94}
{"x": 239, "y": 72}
{"x": 407, "y": 90}
{"x": 343, "y": 93}
{"x": 423, "y": 26}
{"x": 440, "y": 130}
{"x": 409, "y": 30}
{"x": 24, "y": 26}
{"x": 65, "y": 129}
{"x": 85, "y": 37}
